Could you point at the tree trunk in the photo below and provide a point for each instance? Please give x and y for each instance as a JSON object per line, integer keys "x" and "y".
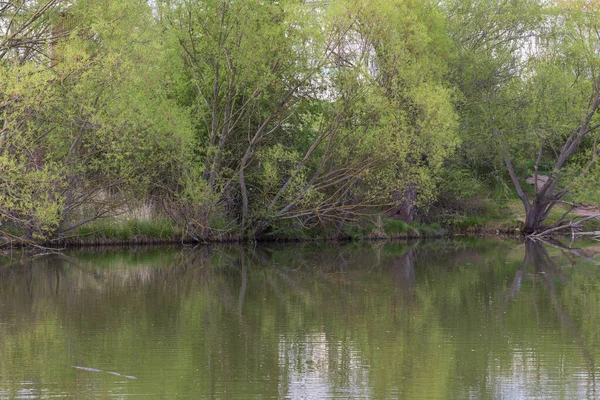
{"x": 535, "y": 216}
{"x": 536, "y": 211}
{"x": 405, "y": 210}
{"x": 244, "y": 191}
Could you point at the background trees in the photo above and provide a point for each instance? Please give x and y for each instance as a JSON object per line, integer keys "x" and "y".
{"x": 253, "y": 117}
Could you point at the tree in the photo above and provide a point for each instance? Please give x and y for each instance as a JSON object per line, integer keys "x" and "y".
{"x": 90, "y": 132}
{"x": 315, "y": 113}
{"x": 26, "y": 29}
{"x": 531, "y": 92}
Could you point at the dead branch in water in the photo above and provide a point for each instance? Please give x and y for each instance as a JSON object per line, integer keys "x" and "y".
{"x": 570, "y": 226}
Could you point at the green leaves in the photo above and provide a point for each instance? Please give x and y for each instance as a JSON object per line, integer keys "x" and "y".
{"x": 30, "y": 199}
{"x": 96, "y": 130}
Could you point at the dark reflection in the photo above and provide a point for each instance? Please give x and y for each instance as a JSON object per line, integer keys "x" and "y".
{"x": 463, "y": 319}
{"x": 550, "y": 274}
{"x": 403, "y": 269}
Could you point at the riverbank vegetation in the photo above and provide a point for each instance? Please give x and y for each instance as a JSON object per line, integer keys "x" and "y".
{"x": 292, "y": 119}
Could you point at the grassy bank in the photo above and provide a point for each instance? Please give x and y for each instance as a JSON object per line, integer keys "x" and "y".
{"x": 116, "y": 231}
{"x": 486, "y": 215}
{"x": 495, "y": 214}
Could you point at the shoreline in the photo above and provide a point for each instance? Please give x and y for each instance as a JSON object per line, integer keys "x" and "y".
{"x": 143, "y": 241}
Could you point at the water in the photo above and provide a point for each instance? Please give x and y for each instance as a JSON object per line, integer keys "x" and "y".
{"x": 479, "y": 319}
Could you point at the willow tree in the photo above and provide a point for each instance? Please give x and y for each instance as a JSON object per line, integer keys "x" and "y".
{"x": 250, "y": 65}
{"x": 25, "y": 38}
{"x": 310, "y": 112}
{"x": 529, "y": 75}
{"x": 27, "y": 28}
{"x": 566, "y": 86}
{"x": 406, "y": 50}
{"x": 90, "y": 132}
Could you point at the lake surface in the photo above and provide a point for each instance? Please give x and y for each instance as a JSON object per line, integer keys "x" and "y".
{"x": 480, "y": 319}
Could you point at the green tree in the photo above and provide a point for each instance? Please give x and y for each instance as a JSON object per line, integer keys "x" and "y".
{"x": 312, "y": 113}
{"x": 528, "y": 73}
{"x": 90, "y": 131}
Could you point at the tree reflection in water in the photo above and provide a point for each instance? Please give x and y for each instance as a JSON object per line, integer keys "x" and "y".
{"x": 457, "y": 319}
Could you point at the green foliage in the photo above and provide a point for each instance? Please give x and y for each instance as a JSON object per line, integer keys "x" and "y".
{"x": 428, "y": 230}
{"x": 30, "y": 200}
{"x": 194, "y": 209}
{"x": 245, "y": 118}
{"x": 471, "y": 221}
{"x": 93, "y": 131}
{"x": 459, "y": 183}
{"x": 393, "y": 226}
{"x": 527, "y": 72}
{"x": 338, "y": 131}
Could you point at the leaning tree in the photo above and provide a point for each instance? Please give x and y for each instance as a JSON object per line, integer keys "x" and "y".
{"x": 530, "y": 79}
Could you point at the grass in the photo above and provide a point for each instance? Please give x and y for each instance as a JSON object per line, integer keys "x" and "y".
{"x": 505, "y": 213}
{"x": 395, "y": 229}
{"x": 470, "y": 221}
{"x": 495, "y": 213}
{"x": 429, "y": 230}
{"x": 392, "y": 226}
{"x": 117, "y": 230}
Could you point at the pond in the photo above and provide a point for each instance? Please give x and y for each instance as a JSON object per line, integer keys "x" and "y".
{"x": 432, "y": 320}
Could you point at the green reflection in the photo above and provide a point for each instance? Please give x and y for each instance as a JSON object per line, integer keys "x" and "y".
{"x": 479, "y": 319}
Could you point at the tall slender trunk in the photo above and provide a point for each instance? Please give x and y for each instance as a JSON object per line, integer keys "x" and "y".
{"x": 244, "y": 191}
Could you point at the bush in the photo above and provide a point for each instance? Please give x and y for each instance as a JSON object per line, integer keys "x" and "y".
{"x": 391, "y": 226}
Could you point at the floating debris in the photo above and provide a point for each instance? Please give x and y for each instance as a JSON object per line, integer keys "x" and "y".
{"x": 87, "y": 369}
{"x": 124, "y": 376}
{"x": 99, "y": 370}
